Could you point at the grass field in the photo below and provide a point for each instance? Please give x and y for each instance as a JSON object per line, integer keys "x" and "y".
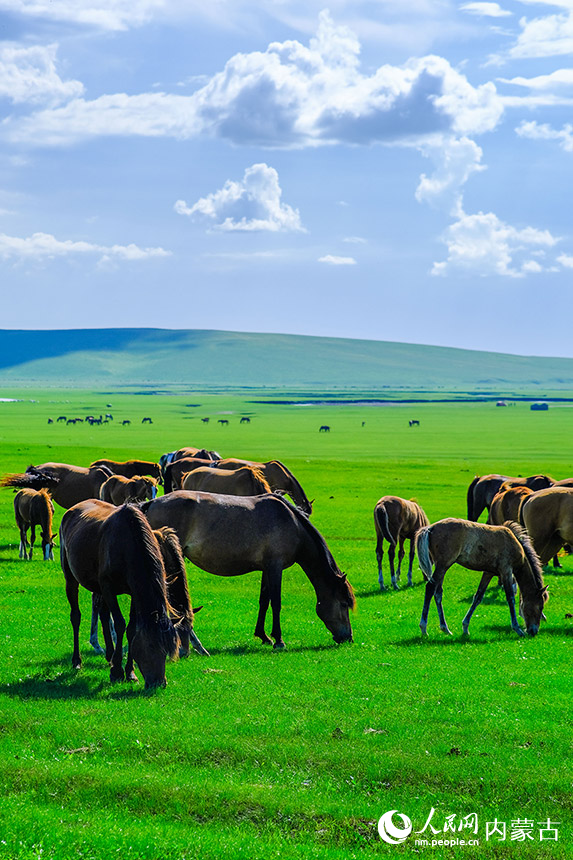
{"x": 296, "y": 754}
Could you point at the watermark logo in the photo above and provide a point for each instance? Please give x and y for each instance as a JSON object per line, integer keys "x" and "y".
{"x": 388, "y": 830}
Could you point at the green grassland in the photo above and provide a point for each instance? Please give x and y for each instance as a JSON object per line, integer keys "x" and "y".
{"x": 260, "y": 754}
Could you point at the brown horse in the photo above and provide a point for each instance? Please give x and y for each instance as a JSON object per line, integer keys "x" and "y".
{"x": 178, "y": 599}
{"x": 113, "y": 551}
{"x": 506, "y": 503}
{"x": 67, "y": 484}
{"x": 200, "y": 453}
{"x": 234, "y": 535}
{"x": 130, "y": 468}
{"x": 548, "y": 518}
{"x": 482, "y": 490}
{"x": 246, "y": 481}
{"x": 34, "y": 508}
{"x": 119, "y": 490}
{"x": 173, "y": 472}
{"x": 397, "y": 520}
{"x": 503, "y": 551}
{"x": 280, "y": 479}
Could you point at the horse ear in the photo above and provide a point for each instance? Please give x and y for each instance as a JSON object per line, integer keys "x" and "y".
{"x": 196, "y": 609}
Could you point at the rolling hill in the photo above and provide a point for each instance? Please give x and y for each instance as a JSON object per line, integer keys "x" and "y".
{"x": 159, "y": 357}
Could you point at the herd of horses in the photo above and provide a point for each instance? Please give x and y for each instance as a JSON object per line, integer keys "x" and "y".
{"x": 230, "y": 517}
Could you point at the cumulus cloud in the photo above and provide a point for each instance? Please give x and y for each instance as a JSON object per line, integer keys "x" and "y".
{"x": 45, "y": 246}
{"x": 483, "y": 244}
{"x": 333, "y": 260}
{"x": 290, "y": 95}
{"x": 28, "y": 74}
{"x": 543, "y": 131}
{"x": 456, "y": 160}
{"x": 487, "y": 10}
{"x": 566, "y": 261}
{"x": 546, "y": 36}
{"x": 252, "y": 204}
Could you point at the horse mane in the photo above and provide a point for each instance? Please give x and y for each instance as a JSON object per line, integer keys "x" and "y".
{"x": 293, "y": 479}
{"x": 259, "y": 476}
{"x": 313, "y": 532}
{"x": 533, "y": 559}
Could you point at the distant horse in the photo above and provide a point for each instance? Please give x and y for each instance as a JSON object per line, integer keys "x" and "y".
{"x": 34, "y": 508}
{"x": 146, "y": 421}
{"x": 397, "y": 520}
{"x": 223, "y": 421}
{"x": 117, "y": 490}
{"x": 234, "y": 535}
{"x": 205, "y": 420}
{"x": 505, "y": 551}
{"x": 280, "y": 478}
{"x": 482, "y": 490}
{"x": 125, "y": 422}
{"x": 67, "y": 484}
{"x": 548, "y": 517}
{"x": 130, "y": 468}
{"x": 178, "y": 598}
{"x": 245, "y": 420}
{"x": 113, "y": 551}
{"x": 246, "y": 481}
{"x": 414, "y": 423}
{"x": 324, "y": 428}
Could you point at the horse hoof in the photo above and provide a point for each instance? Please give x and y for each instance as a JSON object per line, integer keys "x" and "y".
{"x": 116, "y": 678}
{"x": 279, "y": 646}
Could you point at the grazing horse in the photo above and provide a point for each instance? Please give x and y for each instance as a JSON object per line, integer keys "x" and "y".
{"x": 505, "y": 551}
{"x": 34, "y": 508}
{"x": 113, "y": 551}
{"x": 67, "y": 484}
{"x": 234, "y": 535}
{"x": 506, "y": 503}
{"x": 245, "y": 420}
{"x": 146, "y": 420}
{"x": 119, "y": 490}
{"x": 414, "y": 423}
{"x": 130, "y": 468}
{"x": 482, "y": 490}
{"x": 178, "y": 599}
{"x": 548, "y": 517}
{"x": 246, "y": 481}
{"x": 281, "y": 479}
{"x": 397, "y": 520}
{"x": 324, "y": 428}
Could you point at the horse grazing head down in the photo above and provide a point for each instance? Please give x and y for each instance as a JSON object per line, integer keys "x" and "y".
{"x": 333, "y": 609}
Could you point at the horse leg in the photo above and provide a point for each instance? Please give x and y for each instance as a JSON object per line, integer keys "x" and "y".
{"x": 23, "y": 552}
{"x": 438, "y": 594}
{"x": 72, "y": 590}
{"x": 507, "y": 582}
{"x": 116, "y": 669}
{"x": 379, "y": 557}
{"x": 478, "y": 597}
{"x": 264, "y": 600}
{"x": 32, "y": 539}
{"x": 391, "y": 557}
{"x": 401, "y": 553}
{"x": 96, "y": 609}
{"x": 430, "y": 588}
{"x": 411, "y": 559}
{"x": 274, "y": 578}
{"x": 129, "y": 672}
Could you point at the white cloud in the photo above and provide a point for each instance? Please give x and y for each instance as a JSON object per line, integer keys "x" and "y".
{"x": 45, "y": 246}
{"x": 456, "y": 160}
{"x": 548, "y": 36}
{"x": 28, "y": 74}
{"x": 482, "y": 244}
{"x": 252, "y": 204}
{"x": 289, "y": 96}
{"x": 536, "y": 131}
{"x": 102, "y": 14}
{"x": 488, "y": 10}
{"x": 333, "y": 260}
{"x": 355, "y": 240}
{"x": 566, "y": 260}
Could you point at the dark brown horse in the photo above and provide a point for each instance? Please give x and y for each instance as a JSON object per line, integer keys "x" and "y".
{"x": 117, "y": 490}
{"x": 67, "y": 484}
{"x": 280, "y": 478}
{"x": 173, "y": 472}
{"x": 482, "y": 490}
{"x": 396, "y": 520}
{"x": 506, "y": 503}
{"x": 246, "y": 481}
{"x": 34, "y": 508}
{"x": 234, "y": 535}
{"x": 503, "y": 551}
{"x": 548, "y": 518}
{"x": 130, "y": 468}
{"x": 113, "y": 551}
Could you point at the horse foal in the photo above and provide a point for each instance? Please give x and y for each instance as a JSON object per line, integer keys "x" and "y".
{"x": 396, "y": 520}
{"x": 34, "y": 508}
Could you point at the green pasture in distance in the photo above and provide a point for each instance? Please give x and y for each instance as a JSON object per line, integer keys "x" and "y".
{"x": 260, "y": 754}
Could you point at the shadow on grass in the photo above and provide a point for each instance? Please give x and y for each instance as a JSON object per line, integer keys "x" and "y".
{"x": 389, "y": 591}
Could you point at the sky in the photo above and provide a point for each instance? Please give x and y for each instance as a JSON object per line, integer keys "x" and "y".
{"x": 381, "y": 169}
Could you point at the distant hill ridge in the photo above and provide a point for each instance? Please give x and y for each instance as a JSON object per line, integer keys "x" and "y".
{"x": 87, "y": 357}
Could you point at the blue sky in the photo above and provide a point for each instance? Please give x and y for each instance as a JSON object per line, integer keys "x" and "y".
{"x": 390, "y": 169}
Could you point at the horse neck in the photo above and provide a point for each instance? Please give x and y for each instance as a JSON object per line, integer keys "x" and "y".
{"x": 293, "y": 487}
{"x": 143, "y": 569}
{"x": 44, "y": 510}
{"x": 529, "y": 583}
{"x": 316, "y": 559}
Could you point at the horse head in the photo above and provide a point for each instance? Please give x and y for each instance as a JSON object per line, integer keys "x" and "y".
{"x": 333, "y": 609}
{"x": 531, "y": 608}
{"x": 153, "y": 642}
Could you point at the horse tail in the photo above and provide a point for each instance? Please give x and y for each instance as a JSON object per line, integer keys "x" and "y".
{"x": 470, "y": 497}
{"x": 381, "y": 515}
{"x": 423, "y": 550}
{"x": 167, "y": 479}
{"x": 31, "y": 480}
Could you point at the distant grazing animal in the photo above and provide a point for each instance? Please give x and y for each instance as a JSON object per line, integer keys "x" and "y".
{"x": 234, "y": 535}
{"x": 414, "y": 422}
{"x": 34, "y": 508}
{"x": 246, "y": 481}
{"x": 324, "y": 428}
{"x": 396, "y": 520}
{"x": 504, "y": 551}
{"x": 146, "y": 421}
{"x": 245, "y": 420}
{"x": 205, "y": 420}
{"x": 125, "y": 421}
{"x": 67, "y": 484}
{"x": 548, "y": 517}
{"x": 130, "y": 468}
{"x": 482, "y": 490}
{"x": 223, "y": 421}
{"x": 178, "y": 600}
{"x": 117, "y": 490}
{"x": 61, "y": 418}
{"x": 112, "y": 551}
{"x": 50, "y": 420}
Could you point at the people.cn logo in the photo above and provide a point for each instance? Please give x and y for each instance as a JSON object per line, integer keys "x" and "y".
{"x": 388, "y": 830}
